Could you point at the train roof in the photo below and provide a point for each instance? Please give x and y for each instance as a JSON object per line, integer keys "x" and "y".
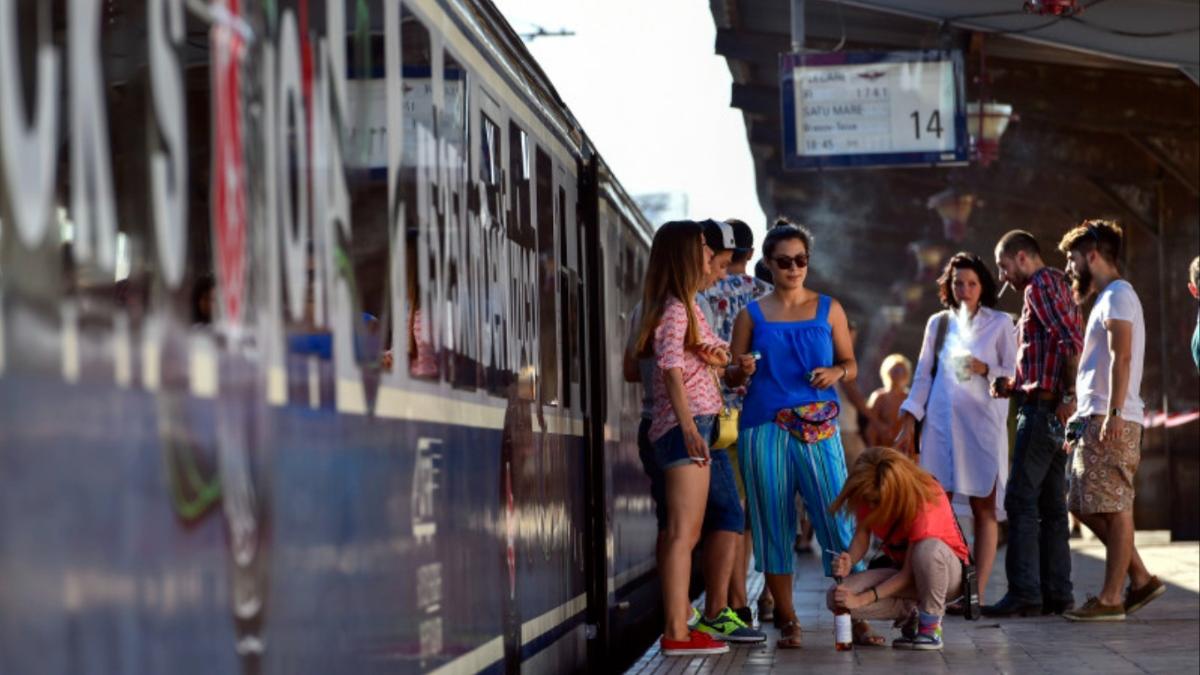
{"x": 539, "y": 86}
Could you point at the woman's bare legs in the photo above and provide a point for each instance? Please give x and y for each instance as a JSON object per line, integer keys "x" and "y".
{"x": 987, "y": 533}
{"x": 687, "y": 495}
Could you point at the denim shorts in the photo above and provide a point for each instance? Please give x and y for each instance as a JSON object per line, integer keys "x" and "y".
{"x": 724, "y": 508}
{"x": 670, "y": 451}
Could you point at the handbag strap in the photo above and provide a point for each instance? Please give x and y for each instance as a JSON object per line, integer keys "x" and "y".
{"x": 958, "y": 526}
{"x": 892, "y": 530}
{"x": 720, "y": 389}
{"x": 938, "y": 341}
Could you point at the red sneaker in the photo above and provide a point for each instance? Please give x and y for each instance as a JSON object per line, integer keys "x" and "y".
{"x": 697, "y": 644}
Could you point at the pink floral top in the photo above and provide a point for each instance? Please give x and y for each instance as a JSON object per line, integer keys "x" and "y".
{"x": 702, "y": 394}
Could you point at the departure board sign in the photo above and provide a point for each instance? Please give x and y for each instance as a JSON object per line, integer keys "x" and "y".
{"x": 873, "y": 109}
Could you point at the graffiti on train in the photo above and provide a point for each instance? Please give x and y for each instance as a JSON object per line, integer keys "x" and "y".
{"x": 461, "y": 286}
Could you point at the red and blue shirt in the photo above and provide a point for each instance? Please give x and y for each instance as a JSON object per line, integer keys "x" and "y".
{"x": 1049, "y": 332}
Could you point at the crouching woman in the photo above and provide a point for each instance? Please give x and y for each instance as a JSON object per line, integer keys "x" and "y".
{"x": 906, "y": 508}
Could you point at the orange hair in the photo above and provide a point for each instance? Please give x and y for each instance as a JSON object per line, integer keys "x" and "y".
{"x": 891, "y": 487}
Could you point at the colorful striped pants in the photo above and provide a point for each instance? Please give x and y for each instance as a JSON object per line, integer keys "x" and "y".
{"x": 775, "y": 466}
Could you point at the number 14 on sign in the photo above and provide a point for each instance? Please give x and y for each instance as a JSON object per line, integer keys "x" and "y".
{"x": 933, "y": 123}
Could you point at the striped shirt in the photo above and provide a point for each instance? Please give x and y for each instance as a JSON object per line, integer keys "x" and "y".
{"x": 702, "y": 394}
{"x": 1048, "y": 333}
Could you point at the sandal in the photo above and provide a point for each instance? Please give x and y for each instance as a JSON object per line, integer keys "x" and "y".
{"x": 789, "y": 635}
{"x": 864, "y": 636}
{"x": 766, "y": 609}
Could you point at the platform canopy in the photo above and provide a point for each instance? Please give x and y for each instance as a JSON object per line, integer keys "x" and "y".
{"x": 1150, "y": 32}
{"x": 1106, "y": 124}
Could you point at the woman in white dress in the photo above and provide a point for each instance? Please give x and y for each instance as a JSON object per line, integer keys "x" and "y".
{"x": 964, "y": 438}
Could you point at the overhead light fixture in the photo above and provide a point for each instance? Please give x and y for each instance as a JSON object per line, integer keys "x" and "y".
{"x": 1063, "y": 8}
{"x": 954, "y": 208}
{"x": 987, "y": 123}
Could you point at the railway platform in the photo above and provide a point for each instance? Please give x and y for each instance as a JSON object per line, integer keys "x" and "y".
{"x": 1161, "y": 638}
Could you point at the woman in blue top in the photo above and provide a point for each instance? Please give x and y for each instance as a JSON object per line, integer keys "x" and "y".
{"x": 789, "y": 435}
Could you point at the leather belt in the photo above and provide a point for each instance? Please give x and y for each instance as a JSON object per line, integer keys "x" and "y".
{"x": 1039, "y": 397}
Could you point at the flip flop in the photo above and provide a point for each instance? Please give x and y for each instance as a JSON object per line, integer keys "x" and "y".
{"x": 790, "y": 635}
{"x": 865, "y": 637}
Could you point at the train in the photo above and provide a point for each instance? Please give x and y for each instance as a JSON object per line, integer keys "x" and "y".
{"x": 311, "y": 316}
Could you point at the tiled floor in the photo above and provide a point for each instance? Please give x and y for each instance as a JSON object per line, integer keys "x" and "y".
{"x": 1162, "y": 638}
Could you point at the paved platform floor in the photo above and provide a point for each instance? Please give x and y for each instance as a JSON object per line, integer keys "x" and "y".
{"x": 1162, "y": 638}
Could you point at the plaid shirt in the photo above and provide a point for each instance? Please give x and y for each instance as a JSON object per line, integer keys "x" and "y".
{"x": 1049, "y": 332}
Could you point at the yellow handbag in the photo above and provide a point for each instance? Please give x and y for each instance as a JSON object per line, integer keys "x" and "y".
{"x": 725, "y": 428}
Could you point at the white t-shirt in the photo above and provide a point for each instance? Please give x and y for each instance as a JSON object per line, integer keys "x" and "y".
{"x": 1118, "y": 301}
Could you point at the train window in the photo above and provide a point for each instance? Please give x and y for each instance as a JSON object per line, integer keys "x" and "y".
{"x": 581, "y": 313}
{"x": 422, "y": 239}
{"x": 494, "y": 335}
{"x": 364, "y": 150}
{"x": 567, "y": 298}
{"x": 547, "y": 278}
{"x": 521, "y": 231}
{"x": 462, "y": 287}
{"x": 520, "y": 226}
{"x": 489, "y": 159}
{"x": 581, "y": 319}
{"x": 568, "y": 287}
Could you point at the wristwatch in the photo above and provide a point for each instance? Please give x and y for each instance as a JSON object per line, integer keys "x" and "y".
{"x": 1068, "y": 397}
{"x": 1115, "y": 412}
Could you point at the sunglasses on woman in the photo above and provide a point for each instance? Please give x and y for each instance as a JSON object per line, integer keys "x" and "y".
{"x": 783, "y": 262}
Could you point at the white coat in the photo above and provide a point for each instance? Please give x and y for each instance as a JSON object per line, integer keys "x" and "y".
{"x": 964, "y": 439}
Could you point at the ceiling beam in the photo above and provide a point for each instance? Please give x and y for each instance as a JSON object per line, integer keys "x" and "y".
{"x": 756, "y": 99}
{"x": 1168, "y": 165}
{"x": 750, "y": 45}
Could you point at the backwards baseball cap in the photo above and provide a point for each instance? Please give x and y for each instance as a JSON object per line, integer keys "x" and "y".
{"x": 718, "y": 236}
{"x": 743, "y": 236}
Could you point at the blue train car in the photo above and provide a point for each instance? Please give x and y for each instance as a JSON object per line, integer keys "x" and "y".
{"x": 310, "y": 328}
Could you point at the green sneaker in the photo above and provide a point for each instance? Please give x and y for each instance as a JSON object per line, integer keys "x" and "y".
{"x": 692, "y": 622}
{"x": 928, "y": 639}
{"x": 728, "y": 627}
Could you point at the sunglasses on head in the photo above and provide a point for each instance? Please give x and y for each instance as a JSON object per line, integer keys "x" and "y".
{"x": 785, "y": 263}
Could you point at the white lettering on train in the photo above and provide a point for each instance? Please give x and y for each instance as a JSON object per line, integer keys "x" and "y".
{"x": 270, "y": 318}
{"x": 28, "y": 152}
{"x": 168, "y": 164}
{"x": 397, "y": 255}
{"x": 476, "y": 284}
{"x": 293, "y": 195}
{"x": 332, "y": 232}
{"x": 92, "y": 202}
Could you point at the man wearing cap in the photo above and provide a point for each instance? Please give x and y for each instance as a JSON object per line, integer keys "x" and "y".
{"x": 733, "y": 290}
{"x": 720, "y": 239}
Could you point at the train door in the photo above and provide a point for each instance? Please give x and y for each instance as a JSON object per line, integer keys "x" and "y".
{"x": 595, "y": 348}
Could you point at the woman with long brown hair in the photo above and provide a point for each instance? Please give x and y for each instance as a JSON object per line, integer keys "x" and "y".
{"x": 905, "y": 507}
{"x": 699, "y": 488}
{"x": 964, "y": 437}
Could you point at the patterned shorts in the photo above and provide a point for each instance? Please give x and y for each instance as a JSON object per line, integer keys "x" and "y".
{"x": 1102, "y": 473}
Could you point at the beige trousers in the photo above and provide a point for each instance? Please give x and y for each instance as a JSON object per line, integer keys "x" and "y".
{"x": 937, "y": 576}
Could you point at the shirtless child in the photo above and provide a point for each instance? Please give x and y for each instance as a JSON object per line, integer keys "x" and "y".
{"x": 896, "y": 373}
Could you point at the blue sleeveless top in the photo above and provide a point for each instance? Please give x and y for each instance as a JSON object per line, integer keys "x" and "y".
{"x": 790, "y": 351}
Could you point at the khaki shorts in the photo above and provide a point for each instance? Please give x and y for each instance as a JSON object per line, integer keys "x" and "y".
{"x": 1102, "y": 473}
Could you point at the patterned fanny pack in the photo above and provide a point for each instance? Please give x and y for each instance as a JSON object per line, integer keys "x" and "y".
{"x": 810, "y": 423}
